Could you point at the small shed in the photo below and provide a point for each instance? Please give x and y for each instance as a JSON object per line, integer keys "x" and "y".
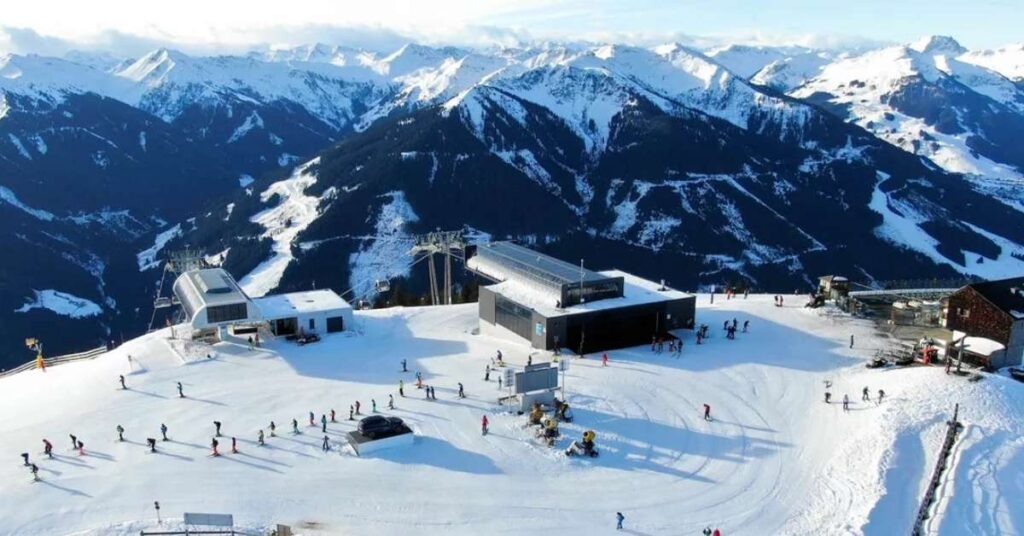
{"x": 314, "y": 311}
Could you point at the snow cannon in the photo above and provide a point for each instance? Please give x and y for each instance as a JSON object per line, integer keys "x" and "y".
{"x": 584, "y": 447}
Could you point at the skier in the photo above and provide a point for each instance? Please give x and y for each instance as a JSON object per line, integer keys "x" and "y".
{"x": 48, "y": 449}
{"x": 707, "y": 530}
{"x": 351, "y": 413}
{"x": 718, "y": 532}
{"x": 358, "y": 405}
{"x": 828, "y": 397}
{"x": 81, "y": 448}
{"x": 654, "y": 343}
{"x": 152, "y": 444}
{"x": 501, "y": 361}
{"x": 851, "y": 341}
{"x": 250, "y": 342}
{"x": 373, "y": 405}
{"x": 462, "y": 393}
{"x": 619, "y": 518}
{"x": 433, "y": 393}
{"x": 487, "y": 373}
{"x": 74, "y": 441}
{"x": 213, "y": 445}
{"x": 404, "y": 369}
{"x": 949, "y": 363}
{"x": 295, "y": 426}
{"x": 426, "y": 392}
{"x": 401, "y": 388}
{"x": 259, "y": 438}
{"x": 327, "y": 445}
{"x": 846, "y": 402}
{"x": 311, "y": 417}
{"x": 746, "y": 324}
{"x": 121, "y": 378}
{"x": 120, "y": 433}
{"x": 483, "y": 425}
{"x": 865, "y": 396}
{"x": 24, "y": 456}
{"x": 323, "y": 423}
{"x": 216, "y": 425}
{"x": 499, "y": 383}
{"x": 707, "y": 412}
{"x": 881, "y": 395}
{"x": 181, "y": 392}
{"x": 725, "y": 326}
{"x": 35, "y": 472}
{"x": 163, "y": 431}
{"x": 234, "y": 446}
{"x": 604, "y": 360}
{"x": 273, "y": 428}
{"x": 332, "y": 415}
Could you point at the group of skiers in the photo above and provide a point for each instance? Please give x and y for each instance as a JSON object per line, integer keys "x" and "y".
{"x": 865, "y": 396}
{"x": 675, "y": 346}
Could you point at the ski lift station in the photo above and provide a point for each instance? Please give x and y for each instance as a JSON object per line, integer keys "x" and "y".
{"x": 550, "y": 303}
{"x": 212, "y": 301}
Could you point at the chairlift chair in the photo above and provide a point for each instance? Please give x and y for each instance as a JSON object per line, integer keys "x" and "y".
{"x": 382, "y": 285}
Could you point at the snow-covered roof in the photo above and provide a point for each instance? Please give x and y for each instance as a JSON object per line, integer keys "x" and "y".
{"x": 977, "y": 345}
{"x": 288, "y": 305}
{"x": 637, "y": 291}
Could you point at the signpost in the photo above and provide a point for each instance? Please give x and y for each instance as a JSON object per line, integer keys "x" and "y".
{"x": 510, "y": 378}
{"x": 563, "y": 366}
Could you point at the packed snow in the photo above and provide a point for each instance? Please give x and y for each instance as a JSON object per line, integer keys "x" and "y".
{"x": 385, "y": 256}
{"x": 282, "y": 223}
{"x": 147, "y": 258}
{"x": 774, "y": 458}
{"x": 61, "y": 303}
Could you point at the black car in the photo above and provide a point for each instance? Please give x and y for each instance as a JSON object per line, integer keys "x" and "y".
{"x": 379, "y": 426}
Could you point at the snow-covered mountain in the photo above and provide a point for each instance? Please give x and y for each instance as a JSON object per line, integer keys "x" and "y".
{"x": 727, "y": 164}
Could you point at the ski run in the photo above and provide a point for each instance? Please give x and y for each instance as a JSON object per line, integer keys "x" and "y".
{"x": 774, "y": 458}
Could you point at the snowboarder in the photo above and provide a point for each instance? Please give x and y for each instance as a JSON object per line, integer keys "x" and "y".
{"x": 163, "y": 431}
{"x": 707, "y": 412}
{"x": 881, "y": 395}
{"x": 74, "y": 441}
{"x": 391, "y": 402}
{"x": 462, "y": 393}
{"x": 273, "y": 428}
{"x": 487, "y": 373}
{"x": 604, "y": 360}
{"x": 483, "y": 425}
{"x": 404, "y": 369}
{"x": 35, "y": 472}
{"x": 120, "y": 433}
{"x": 216, "y": 425}
{"x": 295, "y": 426}
{"x": 851, "y": 341}
{"x": 828, "y": 397}
{"x": 181, "y": 392}
{"x": 24, "y": 456}
{"x": 311, "y": 418}
{"x": 48, "y": 449}
{"x": 213, "y": 445}
{"x": 234, "y": 446}
{"x": 323, "y": 423}
{"x": 152, "y": 444}
{"x": 327, "y": 445}
{"x": 401, "y": 388}
{"x": 846, "y": 402}
{"x": 865, "y": 395}
{"x": 746, "y": 324}
{"x": 121, "y": 379}
{"x": 332, "y": 415}
{"x": 259, "y": 438}
{"x": 619, "y": 518}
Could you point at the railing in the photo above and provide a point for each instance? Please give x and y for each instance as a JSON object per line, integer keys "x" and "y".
{"x": 54, "y": 361}
{"x": 952, "y": 431}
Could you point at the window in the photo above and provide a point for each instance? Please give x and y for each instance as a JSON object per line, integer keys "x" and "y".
{"x": 312, "y": 324}
{"x": 226, "y": 313}
{"x": 964, "y": 313}
{"x": 512, "y": 316}
{"x": 335, "y": 323}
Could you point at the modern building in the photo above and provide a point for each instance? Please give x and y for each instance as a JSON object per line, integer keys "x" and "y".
{"x": 212, "y": 299}
{"x": 314, "y": 311}
{"x": 992, "y": 310}
{"x": 553, "y": 304}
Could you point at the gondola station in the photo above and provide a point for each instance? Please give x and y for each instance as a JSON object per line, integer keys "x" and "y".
{"x": 553, "y": 304}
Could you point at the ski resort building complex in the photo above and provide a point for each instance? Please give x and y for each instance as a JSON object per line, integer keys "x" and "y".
{"x": 553, "y": 304}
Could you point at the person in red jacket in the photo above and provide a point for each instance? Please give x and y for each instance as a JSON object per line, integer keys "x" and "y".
{"x": 48, "y": 448}
{"x": 604, "y": 360}
{"x": 483, "y": 425}
{"x": 716, "y": 533}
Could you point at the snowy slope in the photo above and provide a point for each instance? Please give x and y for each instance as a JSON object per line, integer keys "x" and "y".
{"x": 774, "y": 460}
{"x": 1007, "y": 61}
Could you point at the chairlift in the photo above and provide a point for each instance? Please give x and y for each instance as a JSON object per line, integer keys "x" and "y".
{"x": 382, "y": 285}
{"x": 162, "y": 302}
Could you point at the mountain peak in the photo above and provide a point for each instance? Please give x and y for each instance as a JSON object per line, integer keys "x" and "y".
{"x": 938, "y": 44}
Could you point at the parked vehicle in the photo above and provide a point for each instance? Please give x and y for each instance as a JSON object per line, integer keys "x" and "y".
{"x": 379, "y": 426}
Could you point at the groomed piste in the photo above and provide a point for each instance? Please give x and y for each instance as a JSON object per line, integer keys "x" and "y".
{"x": 773, "y": 459}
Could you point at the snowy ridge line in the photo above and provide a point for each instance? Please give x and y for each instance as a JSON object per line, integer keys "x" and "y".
{"x": 54, "y": 361}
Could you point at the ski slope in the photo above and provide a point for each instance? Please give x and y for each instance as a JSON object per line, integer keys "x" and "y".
{"x": 775, "y": 459}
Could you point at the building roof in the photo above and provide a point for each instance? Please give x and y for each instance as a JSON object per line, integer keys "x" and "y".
{"x": 277, "y": 306}
{"x": 1005, "y": 294}
{"x": 637, "y": 291}
{"x": 976, "y": 345}
{"x": 210, "y": 286}
{"x": 507, "y": 260}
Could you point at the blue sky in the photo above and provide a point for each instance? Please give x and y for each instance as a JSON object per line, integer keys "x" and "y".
{"x": 228, "y": 25}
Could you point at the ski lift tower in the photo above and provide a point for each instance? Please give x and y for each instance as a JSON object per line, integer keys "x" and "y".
{"x": 444, "y": 243}
{"x": 177, "y": 263}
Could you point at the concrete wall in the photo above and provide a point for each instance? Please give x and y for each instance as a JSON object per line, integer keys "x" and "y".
{"x": 1014, "y": 355}
{"x": 485, "y": 304}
